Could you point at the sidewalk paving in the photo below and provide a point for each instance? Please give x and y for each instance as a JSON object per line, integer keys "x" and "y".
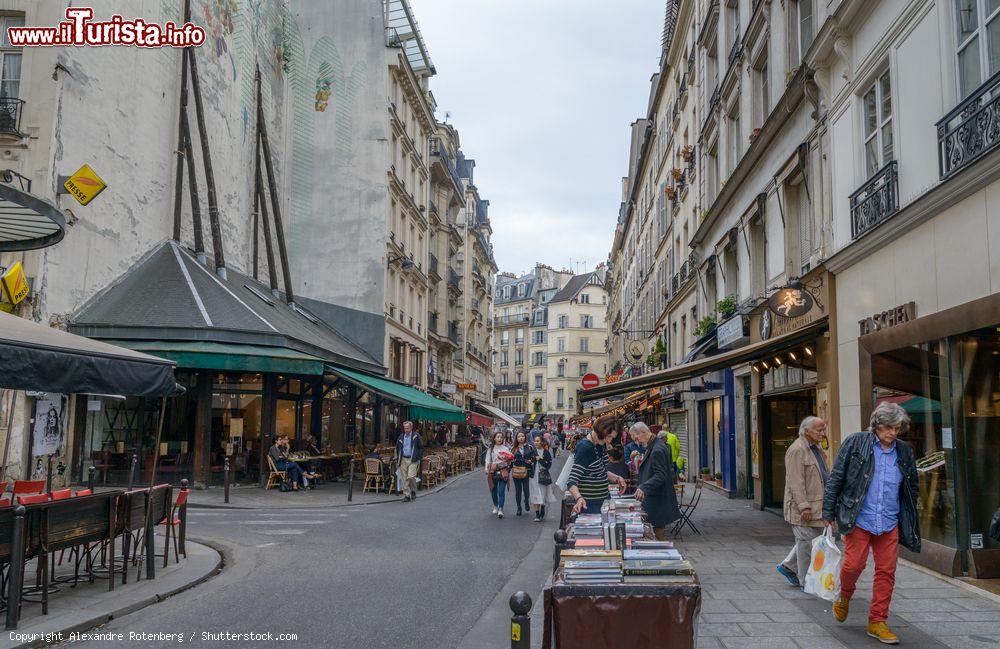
{"x": 89, "y": 605}
{"x": 328, "y": 494}
{"x": 746, "y": 604}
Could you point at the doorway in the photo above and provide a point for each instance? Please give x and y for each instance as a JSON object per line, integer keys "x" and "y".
{"x": 781, "y": 415}
{"x": 709, "y": 427}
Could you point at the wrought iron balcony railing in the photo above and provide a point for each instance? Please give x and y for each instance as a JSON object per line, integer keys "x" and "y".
{"x": 875, "y": 201}
{"x": 735, "y": 50}
{"x": 453, "y": 334}
{"x": 453, "y": 278}
{"x": 432, "y": 322}
{"x": 432, "y": 264}
{"x": 971, "y": 129}
{"x": 10, "y": 115}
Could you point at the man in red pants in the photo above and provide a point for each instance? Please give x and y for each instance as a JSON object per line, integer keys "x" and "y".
{"x": 871, "y": 495}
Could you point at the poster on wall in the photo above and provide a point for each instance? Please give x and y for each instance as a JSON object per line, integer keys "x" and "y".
{"x": 754, "y": 444}
{"x": 48, "y": 429}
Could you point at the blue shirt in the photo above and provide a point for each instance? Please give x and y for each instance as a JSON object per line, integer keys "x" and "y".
{"x": 407, "y": 445}
{"x": 880, "y": 509}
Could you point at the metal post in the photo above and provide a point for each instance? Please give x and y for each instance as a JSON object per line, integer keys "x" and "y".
{"x": 131, "y": 471}
{"x": 182, "y": 514}
{"x": 560, "y": 538}
{"x": 90, "y": 477}
{"x": 520, "y": 621}
{"x": 225, "y": 476}
{"x": 15, "y": 574}
{"x": 48, "y": 475}
{"x": 150, "y": 550}
{"x": 350, "y": 481}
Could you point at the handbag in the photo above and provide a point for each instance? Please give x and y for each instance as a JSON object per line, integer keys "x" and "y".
{"x": 520, "y": 472}
{"x": 505, "y": 474}
{"x": 544, "y": 477}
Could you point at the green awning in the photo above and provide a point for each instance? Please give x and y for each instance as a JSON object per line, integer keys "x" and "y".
{"x": 421, "y": 404}
{"x": 228, "y": 357}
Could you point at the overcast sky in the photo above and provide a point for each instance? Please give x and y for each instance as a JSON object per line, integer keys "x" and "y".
{"x": 542, "y": 93}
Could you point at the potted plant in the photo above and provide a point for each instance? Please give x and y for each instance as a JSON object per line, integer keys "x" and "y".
{"x": 754, "y": 133}
{"x": 686, "y": 152}
{"x": 705, "y": 473}
{"x": 726, "y": 307}
{"x": 676, "y": 172}
{"x": 718, "y": 478}
{"x": 671, "y": 192}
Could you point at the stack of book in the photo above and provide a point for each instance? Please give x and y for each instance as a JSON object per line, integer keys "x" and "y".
{"x": 591, "y": 566}
{"x": 657, "y": 565}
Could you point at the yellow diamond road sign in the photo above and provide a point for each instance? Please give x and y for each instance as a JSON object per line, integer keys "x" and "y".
{"x": 84, "y": 185}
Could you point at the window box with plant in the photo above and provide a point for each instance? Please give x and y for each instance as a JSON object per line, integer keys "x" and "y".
{"x": 705, "y": 326}
{"x": 686, "y": 152}
{"x": 706, "y": 474}
{"x": 677, "y": 172}
{"x": 671, "y": 192}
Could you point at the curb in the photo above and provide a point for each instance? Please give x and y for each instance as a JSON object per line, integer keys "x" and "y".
{"x": 437, "y": 489}
{"x": 104, "y": 618}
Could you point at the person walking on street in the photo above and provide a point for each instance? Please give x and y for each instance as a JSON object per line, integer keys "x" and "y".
{"x": 524, "y": 467}
{"x": 589, "y": 477}
{"x": 497, "y": 471}
{"x": 805, "y": 479}
{"x": 537, "y": 490}
{"x": 871, "y": 497}
{"x": 409, "y": 452}
{"x": 655, "y": 483}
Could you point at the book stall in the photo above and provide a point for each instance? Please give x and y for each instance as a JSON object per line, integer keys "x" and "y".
{"x": 614, "y": 585}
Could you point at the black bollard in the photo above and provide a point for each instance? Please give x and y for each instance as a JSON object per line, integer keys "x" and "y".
{"x": 131, "y": 471}
{"x": 183, "y": 515}
{"x": 225, "y": 476}
{"x": 350, "y": 482}
{"x": 90, "y": 477}
{"x": 15, "y": 574}
{"x": 520, "y": 621}
{"x": 559, "y": 536}
{"x": 48, "y": 476}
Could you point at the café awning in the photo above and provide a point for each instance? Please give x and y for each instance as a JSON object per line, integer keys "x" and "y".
{"x": 703, "y": 365}
{"x": 500, "y": 414}
{"x": 476, "y": 419}
{"x": 40, "y": 358}
{"x": 27, "y": 222}
{"x": 227, "y": 357}
{"x": 421, "y": 404}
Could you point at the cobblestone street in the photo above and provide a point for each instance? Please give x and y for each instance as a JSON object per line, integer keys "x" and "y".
{"x": 747, "y": 604}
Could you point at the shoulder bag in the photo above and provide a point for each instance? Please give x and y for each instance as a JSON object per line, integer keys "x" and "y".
{"x": 520, "y": 472}
{"x": 544, "y": 477}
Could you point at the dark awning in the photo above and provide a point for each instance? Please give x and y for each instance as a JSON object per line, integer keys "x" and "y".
{"x": 421, "y": 404}
{"x": 27, "y": 222}
{"x": 36, "y": 357}
{"x": 702, "y": 365}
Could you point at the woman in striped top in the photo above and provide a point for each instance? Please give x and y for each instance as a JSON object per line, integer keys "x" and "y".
{"x": 589, "y": 477}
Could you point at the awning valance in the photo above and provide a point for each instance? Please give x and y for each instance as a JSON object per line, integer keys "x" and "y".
{"x": 27, "y": 222}
{"x": 229, "y": 357}
{"x": 36, "y": 357}
{"x": 421, "y": 404}
{"x": 703, "y": 365}
{"x": 476, "y": 419}
{"x": 500, "y": 414}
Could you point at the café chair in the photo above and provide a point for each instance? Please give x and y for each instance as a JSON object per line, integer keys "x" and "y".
{"x": 25, "y": 487}
{"x": 686, "y": 510}
{"x": 173, "y": 523}
{"x": 374, "y": 477}
{"x": 61, "y": 494}
{"x": 33, "y": 499}
{"x": 275, "y": 478}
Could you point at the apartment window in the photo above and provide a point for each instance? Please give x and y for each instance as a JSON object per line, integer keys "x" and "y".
{"x": 538, "y": 358}
{"x": 735, "y": 138}
{"x": 584, "y": 298}
{"x": 505, "y": 338}
{"x": 586, "y": 321}
{"x": 560, "y": 398}
{"x": 506, "y": 292}
{"x": 519, "y": 336}
{"x": 877, "y": 105}
{"x": 503, "y": 378}
{"x": 978, "y": 42}
{"x": 537, "y": 337}
{"x": 584, "y": 368}
{"x": 713, "y": 171}
{"x": 520, "y": 378}
{"x": 585, "y": 344}
{"x": 571, "y": 403}
{"x": 519, "y": 357}
{"x": 504, "y": 359}
{"x": 10, "y": 84}
{"x": 758, "y": 265}
{"x": 560, "y": 344}
{"x": 762, "y": 90}
{"x": 538, "y": 381}
{"x": 563, "y": 321}
{"x": 561, "y": 369}
{"x": 520, "y": 290}
{"x": 802, "y": 13}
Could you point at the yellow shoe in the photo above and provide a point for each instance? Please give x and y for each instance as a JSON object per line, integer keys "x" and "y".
{"x": 840, "y": 609}
{"x": 880, "y": 631}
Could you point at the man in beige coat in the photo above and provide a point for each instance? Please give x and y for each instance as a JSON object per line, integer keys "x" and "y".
{"x": 805, "y": 479}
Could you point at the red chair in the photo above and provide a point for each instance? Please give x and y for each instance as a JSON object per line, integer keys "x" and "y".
{"x": 33, "y": 499}
{"x": 28, "y": 487}
{"x": 61, "y": 494}
{"x": 173, "y": 521}
{"x": 83, "y": 492}
{"x": 4, "y": 502}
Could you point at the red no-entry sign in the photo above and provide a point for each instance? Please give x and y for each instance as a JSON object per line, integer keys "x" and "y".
{"x": 590, "y": 381}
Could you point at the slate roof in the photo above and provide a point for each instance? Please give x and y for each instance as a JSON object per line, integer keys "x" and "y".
{"x": 574, "y": 286}
{"x": 168, "y": 295}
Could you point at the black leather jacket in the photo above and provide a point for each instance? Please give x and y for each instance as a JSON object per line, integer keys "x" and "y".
{"x": 851, "y": 476}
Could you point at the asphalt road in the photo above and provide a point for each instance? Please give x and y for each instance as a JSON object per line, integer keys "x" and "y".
{"x": 394, "y": 575}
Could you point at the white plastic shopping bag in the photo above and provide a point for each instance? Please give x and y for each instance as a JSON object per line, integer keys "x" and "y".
{"x": 559, "y": 486}
{"x": 823, "y": 578}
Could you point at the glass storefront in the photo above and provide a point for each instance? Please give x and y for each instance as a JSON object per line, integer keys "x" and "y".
{"x": 237, "y": 407}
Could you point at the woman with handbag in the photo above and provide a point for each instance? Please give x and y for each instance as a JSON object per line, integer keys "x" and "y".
{"x": 538, "y": 483}
{"x": 496, "y": 463}
{"x": 524, "y": 466}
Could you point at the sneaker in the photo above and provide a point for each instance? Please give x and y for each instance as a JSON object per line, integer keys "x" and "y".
{"x": 495, "y": 510}
{"x": 500, "y": 514}
{"x": 518, "y": 512}
{"x": 792, "y": 578}
{"x": 880, "y": 631}
{"x": 406, "y": 499}
{"x": 841, "y": 608}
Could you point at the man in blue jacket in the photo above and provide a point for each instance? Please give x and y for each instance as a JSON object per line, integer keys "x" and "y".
{"x": 409, "y": 452}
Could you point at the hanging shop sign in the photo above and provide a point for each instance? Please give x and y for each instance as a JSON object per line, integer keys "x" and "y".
{"x": 732, "y": 332}
{"x": 448, "y": 388}
{"x": 84, "y": 185}
{"x": 590, "y": 381}
{"x": 466, "y": 386}
{"x": 15, "y": 284}
{"x": 790, "y": 302}
{"x": 890, "y": 318}
{"x": 636, "y": 349}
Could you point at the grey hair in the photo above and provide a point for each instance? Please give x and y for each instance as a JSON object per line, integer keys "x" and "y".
{"x": 662, "y": 434}
{"x": 639, "y": 427}
{"x": 808, "y": 423}
{"x": 889, "y": 414}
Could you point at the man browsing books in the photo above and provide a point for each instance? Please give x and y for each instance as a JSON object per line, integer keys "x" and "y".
{"x": 656, "y": 480}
